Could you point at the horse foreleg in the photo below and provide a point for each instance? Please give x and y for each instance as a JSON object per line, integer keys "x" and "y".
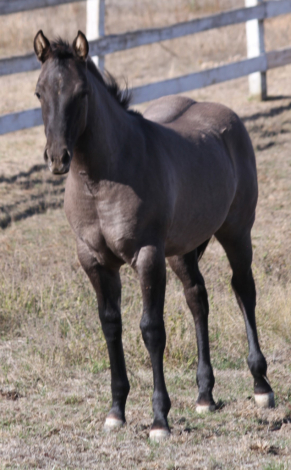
{"x": 106, "y": 283}
{"x": 186, "y": 268}
{"x": 152, "y": 274}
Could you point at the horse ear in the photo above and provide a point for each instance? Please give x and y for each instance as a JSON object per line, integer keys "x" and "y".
{"x": 81, "y": 46}
{"x": 41, "y": 46}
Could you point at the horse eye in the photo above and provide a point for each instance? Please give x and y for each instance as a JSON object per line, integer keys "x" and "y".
{"x": 37, "y": 95}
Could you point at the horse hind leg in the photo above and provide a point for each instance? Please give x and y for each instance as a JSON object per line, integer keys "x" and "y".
{"x": 239, "y": 252}
{"x": 186, "y": 268}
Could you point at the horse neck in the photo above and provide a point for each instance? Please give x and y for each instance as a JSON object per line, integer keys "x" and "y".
{"x": 108, "y": 128}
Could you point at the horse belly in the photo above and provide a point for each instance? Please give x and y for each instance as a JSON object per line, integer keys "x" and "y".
{"x": 186, "y": 236}
{"x": 201, "y": 211}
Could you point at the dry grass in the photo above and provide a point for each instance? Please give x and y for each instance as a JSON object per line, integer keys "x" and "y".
{"x": 54, "y": 375}
{"x": 138, "y": 66}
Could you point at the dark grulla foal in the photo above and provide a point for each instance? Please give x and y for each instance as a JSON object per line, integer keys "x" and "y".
{"x": 144, "y": 188}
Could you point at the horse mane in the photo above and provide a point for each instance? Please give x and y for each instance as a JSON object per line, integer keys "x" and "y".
{"x": 122, "y": 96}
{"x": 61, "y": 49}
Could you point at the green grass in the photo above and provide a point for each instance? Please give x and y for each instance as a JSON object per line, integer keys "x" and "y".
{"x": 277, "y": 466}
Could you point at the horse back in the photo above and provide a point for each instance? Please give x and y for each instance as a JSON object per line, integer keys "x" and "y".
{"x": 219, "y": 168}
{"x": 195, "y": 121}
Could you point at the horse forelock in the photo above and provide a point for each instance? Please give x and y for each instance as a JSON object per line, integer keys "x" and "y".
{"x": 61, "y": 49}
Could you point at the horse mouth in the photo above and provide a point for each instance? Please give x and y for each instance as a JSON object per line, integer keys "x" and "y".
{"x": 59, "y": 165}
{"x": 57, "y": 171}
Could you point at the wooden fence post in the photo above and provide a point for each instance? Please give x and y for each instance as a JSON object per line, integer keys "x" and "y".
{"x": 95, "y": 25}
{"x": 256, "y": 47}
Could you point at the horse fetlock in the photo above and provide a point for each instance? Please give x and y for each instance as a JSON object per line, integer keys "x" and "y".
{"x": 117, "y": 410}
{"x": 257, "y": 364}
{"x": 205, "y": 402}
{"x": 120, "y": 393}
{"x": 160, "y": 424}
{"x": 258, "y": 367}
{"x": 262, "y": 386}
{"x": 161, "y": 403}
{"x": 161, "y": 407}
{"x": 205, "y": 378}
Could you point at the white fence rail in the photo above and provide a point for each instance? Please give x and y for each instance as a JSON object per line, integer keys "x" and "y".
{"x": 14, "y": 6}
{"x": 112, "y": 43}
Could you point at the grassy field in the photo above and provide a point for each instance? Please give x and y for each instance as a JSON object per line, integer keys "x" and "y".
{"x": 54, "y": 372}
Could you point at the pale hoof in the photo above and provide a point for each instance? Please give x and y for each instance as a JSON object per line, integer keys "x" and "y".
{"x": 205, "y": 408}
{"x": 265, "y": 400}
{"x": 158, "y": 435}
{"x": 112, "y": 424}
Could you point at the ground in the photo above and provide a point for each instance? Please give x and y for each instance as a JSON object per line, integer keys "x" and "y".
{"x": 54, "y": 373}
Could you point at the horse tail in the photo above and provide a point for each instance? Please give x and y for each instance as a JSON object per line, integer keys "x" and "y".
{"x": 201, "y": 248}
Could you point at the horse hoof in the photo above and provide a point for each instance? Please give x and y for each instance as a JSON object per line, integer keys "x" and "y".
{"x": 265, "y": 400}
{"x": 112, "y": 424}
{"x": 200, "y": 409}
{"x": 158, "y": 435}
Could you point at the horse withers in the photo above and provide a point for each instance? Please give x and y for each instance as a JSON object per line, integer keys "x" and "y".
{"x": 144, "y": 188}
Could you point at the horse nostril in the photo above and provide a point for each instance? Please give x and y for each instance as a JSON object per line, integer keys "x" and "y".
{"x": 65, "y": 158}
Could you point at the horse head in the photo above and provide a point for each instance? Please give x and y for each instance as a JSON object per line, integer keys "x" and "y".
{"x": 62, "y": 90}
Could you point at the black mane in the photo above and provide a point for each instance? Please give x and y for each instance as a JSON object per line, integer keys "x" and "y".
{"x": 122, "y": 96}
{"x": 61, "y": 49}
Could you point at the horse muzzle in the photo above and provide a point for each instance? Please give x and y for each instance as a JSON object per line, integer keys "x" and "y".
{"x": 58, "y": 162}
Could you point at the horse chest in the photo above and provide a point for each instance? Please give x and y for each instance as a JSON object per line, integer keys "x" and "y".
{"x": 106, "y": 219}
{"x": 118, "y": 221}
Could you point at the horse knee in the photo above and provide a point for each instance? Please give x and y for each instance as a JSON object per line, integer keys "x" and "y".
{"x": 153, "y": 334}
{"x": 111, "y": 325}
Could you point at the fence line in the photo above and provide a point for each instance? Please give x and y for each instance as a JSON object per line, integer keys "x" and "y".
{"x": 273, "y": 59}
{"x": 15, "y": 6}
{"x": 116, "y": 43}
{"x": 119, "y": 42}
{"x": 95, "y": 28}
{"x": 113, "y": 43}
{"x": 255, "y": 47}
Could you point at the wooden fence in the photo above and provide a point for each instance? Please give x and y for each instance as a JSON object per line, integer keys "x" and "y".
{"x": 256, "y": 65}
